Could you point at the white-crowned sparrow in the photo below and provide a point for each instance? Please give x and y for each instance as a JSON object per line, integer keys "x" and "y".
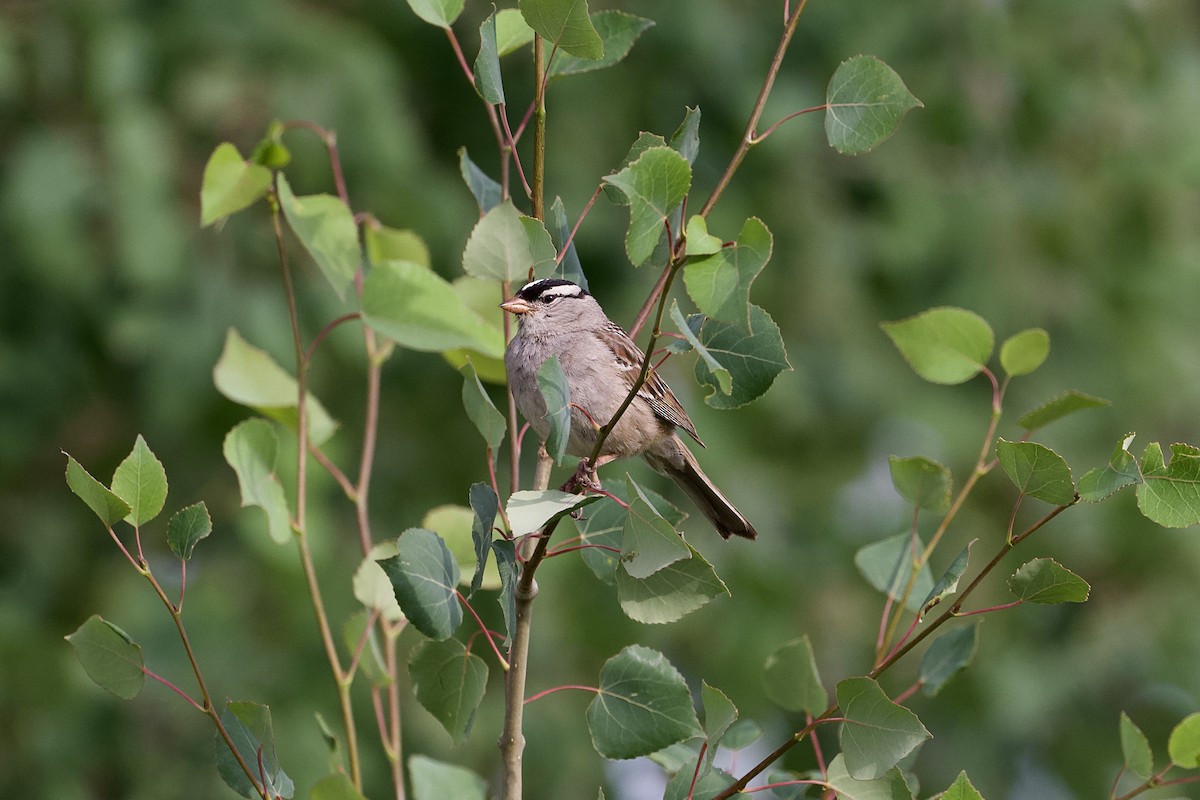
{"x": 601, "y": 363}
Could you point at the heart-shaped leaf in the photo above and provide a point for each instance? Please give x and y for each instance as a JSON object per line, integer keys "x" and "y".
{"x": 866, "y": 101}
{"x": 943, "y": 345}
{"x": 325, "y": 226}
{"x": 251, "y": 449}
{"x": 250, "y": 377}
{"x": 109, "y": 657}
{"x": 791, "y": 679}
{"x": 418, "y": 309}
{"x": 1170, "y": 494}
{"x": 230, "y": 183}
{"x": 186, "y": 527}
{"x": 642, "y": 705}
{"x": 1037, "y": 471}
{"x": 449, "y": 682}
{"x": 1044, "y": 580}
{"x": 565, "y": 23}
{"x": 424, "y": 575}
{"x": 877, "y": 733}
{"x": 654, "y": 185}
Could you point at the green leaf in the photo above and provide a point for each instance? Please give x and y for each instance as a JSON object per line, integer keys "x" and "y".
{"x": 109, "y": 657}
{"x": 528, "y": 511}
{"x": 617, "y": 30}
{"x": 1170, "y": 495}
{"x": 556, "y": 396}
{"x": 1037, "y": 471}
{"x": 866, "y": 101}
{"x": 1044, "y": 580}
{"x": 186, "y": 527}
{"x": 791, "y": 679}
{"x": 505, "y": 551}
{"x": 686, "y": 138}
{"x": 888, "y": 564}
{"x": 670, "y": 593}
{"x": 512, "y": 31}
{"x": 754, "y": 357}
{"x": 420, "y": 310}
{"x": 565, "y": 23}
{"x": 456, "y": 525}
{"x": 1122, "y": 470}
{"x": 923, "y": 482}
{"x": 1024, "y": 352}
{"x": 1135, "y": 748}
{"x": 250, "y": 377}
{"x": 644, "y": 142}
{"x": 654, "y": 185}
{"x": 643, "y": 705}
{"x": 394, "y": 244}
{"x": 425, "y": 576}
{"x": 230, "y": 184}
{"x": 890, "y": 786}
{"x": 946, "y": 656}
{"x": 483, "y": 512}
{"x": 480, "y": 296}
{"x": 943, "y": 345}
{"x": 486, "y": 191}
{"x": 106, "y": 505}
{"x": 441, "y": 13}
{"x": 251, "y": 449}
{"x": 488, "y": 81}
{"x": 449, "y": 682}
{"x": 325, "y": 226}
{"x": 505, "y": 245}
{"x": 877, "y": 733}
{"x": 709, "y": 783}
{"x": 649, "y": 542}
{"x": 249, "y": 725}
{"x": 961, "y": 789}
{"x": 434, "y": 780}
{"x": 335, "y": 787}
{"x": 372, "y": 587}
{"x": 1183, "y": 746}
{"x": 720, "y": 284}
{"x": 742, "y": 733}
{"x": 371, "y": 659}
{"x": 141, "y": 481}
{"x": 699, "y": 241}
{"x": 947, "y": 584}
{"x": 719, "y": 714}
{"x": 481, "y": 410}
{"x": 1059, "y": 407}
{"x": 603, "y": 527}
{"x": 724, "y": 381}
{"x": 560, "y": 232}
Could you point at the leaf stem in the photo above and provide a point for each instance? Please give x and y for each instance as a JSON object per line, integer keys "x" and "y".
{"x": 483, "y": 628}
{"x": 546, "y": 692}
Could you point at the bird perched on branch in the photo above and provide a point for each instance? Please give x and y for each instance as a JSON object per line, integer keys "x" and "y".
{"x": 602, "y": 364}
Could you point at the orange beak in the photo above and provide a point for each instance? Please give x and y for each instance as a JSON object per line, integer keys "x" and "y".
{"x": 517, "y": 305}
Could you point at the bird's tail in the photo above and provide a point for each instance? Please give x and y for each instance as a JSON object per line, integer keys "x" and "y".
{"x": 715, "y": 506}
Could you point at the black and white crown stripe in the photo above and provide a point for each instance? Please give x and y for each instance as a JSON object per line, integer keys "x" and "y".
{"x": 548, "y": 288}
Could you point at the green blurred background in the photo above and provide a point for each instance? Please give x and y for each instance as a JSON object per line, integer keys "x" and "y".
{"x": 1052, "y": 180}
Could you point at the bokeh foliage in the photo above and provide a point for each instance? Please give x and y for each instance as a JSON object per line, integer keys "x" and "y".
{"x": 1051, "y": 181}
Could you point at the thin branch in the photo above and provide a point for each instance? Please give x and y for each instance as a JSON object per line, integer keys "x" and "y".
{"x": 546, "y": 692}
{"x": 484, "y": 629}
{"x": 760, "y": 137}
{"x": 756, "y": 113}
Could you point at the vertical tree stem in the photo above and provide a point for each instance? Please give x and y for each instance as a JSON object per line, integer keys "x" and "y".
{"x": 538, "y": 186}
{"x": 310, "y": 573}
